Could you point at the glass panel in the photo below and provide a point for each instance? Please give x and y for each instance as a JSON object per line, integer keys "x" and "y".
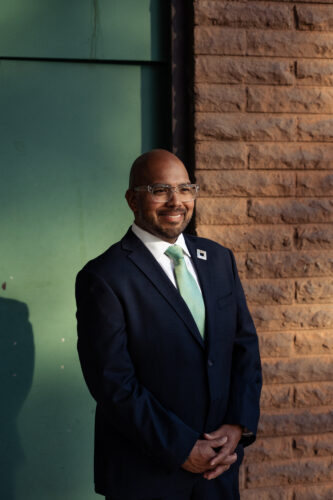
{"x": 69, "y": 133}
{"x": 83, "y": 29}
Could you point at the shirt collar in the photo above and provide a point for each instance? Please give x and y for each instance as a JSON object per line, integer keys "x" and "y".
{"x": 156, "y": 245}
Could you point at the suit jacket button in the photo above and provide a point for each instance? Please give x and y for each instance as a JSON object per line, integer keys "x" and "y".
{"x": 210, "y": 362}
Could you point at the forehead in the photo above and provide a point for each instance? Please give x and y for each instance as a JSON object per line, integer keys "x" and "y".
{"x": 165, "y": 172}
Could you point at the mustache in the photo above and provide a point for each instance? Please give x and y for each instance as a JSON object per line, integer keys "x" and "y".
{"x": 174, "y": 211}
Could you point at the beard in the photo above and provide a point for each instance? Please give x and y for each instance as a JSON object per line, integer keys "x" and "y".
{"x": 168, "y": 231}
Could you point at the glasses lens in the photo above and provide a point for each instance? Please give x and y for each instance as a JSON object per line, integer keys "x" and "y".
{"x": 187, "y": 192}
{"x": 160, "y": 193}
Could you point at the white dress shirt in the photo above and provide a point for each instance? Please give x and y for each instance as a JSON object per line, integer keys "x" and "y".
{"x": 157, "y": 247}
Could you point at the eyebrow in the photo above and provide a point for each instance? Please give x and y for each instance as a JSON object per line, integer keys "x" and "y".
{"x": 165, "y": 184}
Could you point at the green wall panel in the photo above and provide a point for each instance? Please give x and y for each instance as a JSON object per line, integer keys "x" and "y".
{"x": 69, "y": 133}
{"x": 82, "y": 29}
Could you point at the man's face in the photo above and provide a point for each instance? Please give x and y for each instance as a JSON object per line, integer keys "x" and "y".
{"x": 168, "y": 219}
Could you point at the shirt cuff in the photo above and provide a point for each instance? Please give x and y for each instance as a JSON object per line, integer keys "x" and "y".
{"x": 246, "y": 432}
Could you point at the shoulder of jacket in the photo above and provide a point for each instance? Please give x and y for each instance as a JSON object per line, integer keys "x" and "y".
{"x": 109, "y": 259}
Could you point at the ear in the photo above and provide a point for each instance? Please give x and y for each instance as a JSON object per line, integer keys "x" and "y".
{"x": 131, "y": 198}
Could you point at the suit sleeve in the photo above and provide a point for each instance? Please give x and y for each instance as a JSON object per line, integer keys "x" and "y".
{"x": 110, "y": 375}
{"x": 246, "y": 379}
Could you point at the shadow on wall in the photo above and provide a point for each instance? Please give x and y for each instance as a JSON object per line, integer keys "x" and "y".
{"x": 16, "y": 371}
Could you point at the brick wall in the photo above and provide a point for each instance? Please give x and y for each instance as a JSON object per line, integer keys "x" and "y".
{"x": 263, "y": 98}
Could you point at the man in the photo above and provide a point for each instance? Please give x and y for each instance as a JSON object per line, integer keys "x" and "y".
{"x": 168, "y": 350}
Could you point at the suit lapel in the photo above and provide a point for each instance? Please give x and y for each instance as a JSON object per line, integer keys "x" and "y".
{"x": 147, "y": 264}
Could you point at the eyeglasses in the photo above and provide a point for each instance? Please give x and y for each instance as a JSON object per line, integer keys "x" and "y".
{"x": 162, "y": 193}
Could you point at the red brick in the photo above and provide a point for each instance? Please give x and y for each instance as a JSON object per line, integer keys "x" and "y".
{"x": 269, "y": 318}
{"x": 240, "y": 264}
{"x": 245, "y": 183}
{"x": 277, "y": 344}
{"x": 293, "y": 264}
{"x": 303, "y": 1}
{"x": 310, "y": 492}
{"x": 319, "y": 445}
{"x": 245, "y": 238}
{"x": 313, "y": 394}
{"x": 243, "y": 15}
{"x": 291, "y": 211}
{"x": 220, "y": 155}
{"x": 297, "y": 421}
{"x": 314, "y": 237}
{"x": 289, "y": 240}
{"x": 315, "y": 184}
{"x": 247, "y": 127}
{"x": 219, "y": 98}
{"x": 314, "y": 290}
{"x": 267, "y": 494}
{"x": 289, "y": 44}
{"x": 269, "y": 291}
{"x": 269, "y": 449}
{"x": 314, "y": 342}
{"x": 221, "y": 211}
{"x": 290, "y": 100}
{"x": 276, "y": 396}
{"x": 215, "y": 69}
{"x": 297, "y": 369}
{"x": 291, "y": 156}
{"x": 314, "y": 128}
{"x": 291, "y": 472}
{"x": 314, "y": 72}
{"x": 216, "y": 40}
{"x": 314, "y": 17}
{"x": 242, "y": 477}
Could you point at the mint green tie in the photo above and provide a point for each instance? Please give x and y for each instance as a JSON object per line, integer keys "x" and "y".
{"x": 188, "y": 287}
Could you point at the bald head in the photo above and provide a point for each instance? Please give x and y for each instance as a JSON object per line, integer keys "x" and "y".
{"x": 147, "y": 165}
{"x": 164, "y": 219}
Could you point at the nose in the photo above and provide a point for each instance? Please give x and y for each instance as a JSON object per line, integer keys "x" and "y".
{"x": 174, "y": 198}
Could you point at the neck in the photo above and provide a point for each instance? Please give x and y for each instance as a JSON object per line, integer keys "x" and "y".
{"x": 157, "y": 235}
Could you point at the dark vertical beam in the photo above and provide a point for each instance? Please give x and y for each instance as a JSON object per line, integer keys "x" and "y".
{"x": 182, "y": 81}
{"x": 182, "y": 77}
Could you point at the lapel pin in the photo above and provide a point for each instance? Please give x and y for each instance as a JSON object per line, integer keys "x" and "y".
{"x": 201, "y": 254}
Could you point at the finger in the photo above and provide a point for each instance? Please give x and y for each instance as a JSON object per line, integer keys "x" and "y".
{"x": 217, "y": 442}
{"x": 212, "y": 435}
{"x": 216, "y": 472}
{"x": 222, "y": 459}
{"x": 195, "y": 468}
{"x": 221, "y": 454}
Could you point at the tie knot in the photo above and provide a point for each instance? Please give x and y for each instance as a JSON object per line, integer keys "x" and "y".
{"x": 175, "y": 252}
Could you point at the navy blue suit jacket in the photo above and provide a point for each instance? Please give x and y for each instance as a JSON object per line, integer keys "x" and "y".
{"x": 157, "y": 384}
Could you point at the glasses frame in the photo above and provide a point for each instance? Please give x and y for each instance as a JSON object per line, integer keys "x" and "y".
{"x": 172, "y": 189}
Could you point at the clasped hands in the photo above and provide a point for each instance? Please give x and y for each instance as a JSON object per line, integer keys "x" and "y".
{"x": 214, "y": 454}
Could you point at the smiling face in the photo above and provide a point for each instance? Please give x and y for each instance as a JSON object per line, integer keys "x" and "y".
{"x": 168, "y": 219}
